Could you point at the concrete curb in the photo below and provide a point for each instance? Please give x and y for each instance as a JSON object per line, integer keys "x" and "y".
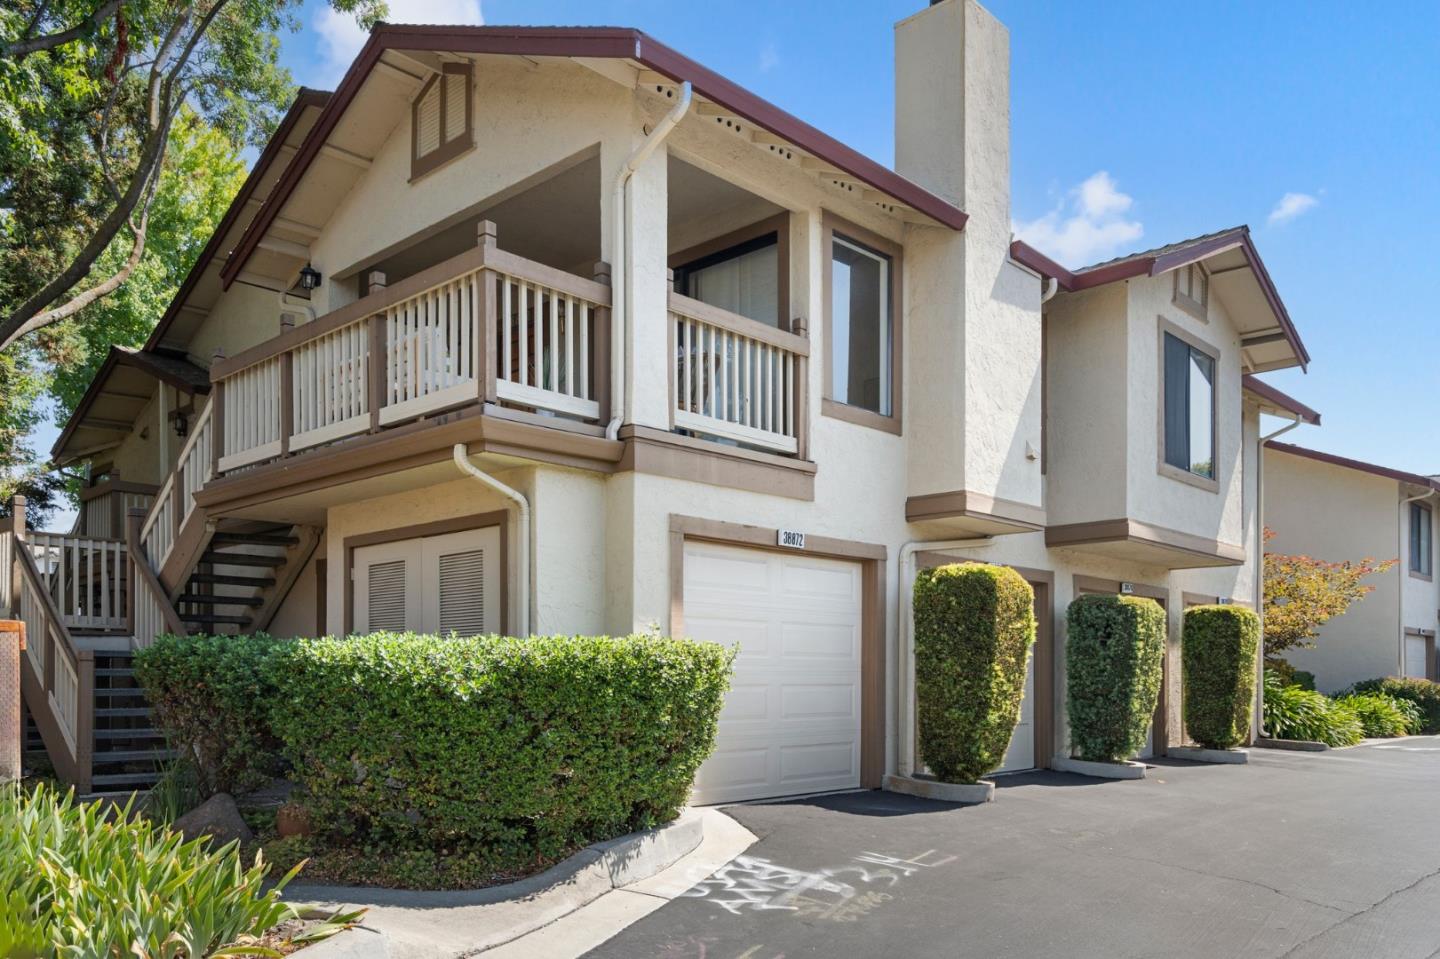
{"x": 925, "y": 788}
{"x": 1297, "y": 745}
{"x": 1200, "y": 754}
{"x": 410, "y": 924}
{"x": 1129, "y": 769}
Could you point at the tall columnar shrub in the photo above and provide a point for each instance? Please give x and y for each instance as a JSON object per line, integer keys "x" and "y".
{"x": 1218, "y": 646}
{"x": 974, "y": 627}
{"x": 521, "y": 747}
{"x": 212, "y": 697}
{"x": 1114, "y": 655}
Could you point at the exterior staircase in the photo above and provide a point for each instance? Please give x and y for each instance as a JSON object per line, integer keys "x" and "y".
{"x": 129, "y": 753}
{"x": 241, "y": 575}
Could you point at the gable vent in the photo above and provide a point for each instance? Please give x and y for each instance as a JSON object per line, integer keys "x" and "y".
{"x": 456, "y": 99}
{"x": 387, "y": 595}
{"x": 462, "y": 593}
{"x": 427, "y": 122}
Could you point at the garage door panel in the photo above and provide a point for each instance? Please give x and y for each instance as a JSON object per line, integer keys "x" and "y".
{"x": 791, "y": 722}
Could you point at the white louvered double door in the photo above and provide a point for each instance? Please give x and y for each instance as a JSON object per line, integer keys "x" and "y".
{"x": 435, "y": 584}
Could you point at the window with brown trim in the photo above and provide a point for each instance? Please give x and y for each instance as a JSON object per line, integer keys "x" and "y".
{"x": 442, "y": 119}
{"x": 862, "y": 327}
{"x": 1188, "y": 407}
{"x": 1192, "y": 290}
{"x": 1422, "y": 561}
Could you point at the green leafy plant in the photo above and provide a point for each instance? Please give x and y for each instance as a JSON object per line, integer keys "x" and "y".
{"x": 175, "y": 793}
{"x": 212, "y": 698}
{"x": 89, "y": 880}
{"x": 1218, "y": 647}
{"x": 519, "y": 748}
{"x": 1422, "y": 692}
{"x": 1293, "y": 713}
{"x": 1115, "y": 652}
{"x": 1381, "y": 715}
{"x": 974, "y": 628}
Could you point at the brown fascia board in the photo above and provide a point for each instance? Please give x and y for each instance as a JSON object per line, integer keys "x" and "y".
{"x": 1281, "y": 399}
{"x": 614, "y": 43}
{"x": 1072, "y": 282}
{"x": 305, "y": 98}
{"x": 118, "y": 356}
{"x": 1331, "y": 459}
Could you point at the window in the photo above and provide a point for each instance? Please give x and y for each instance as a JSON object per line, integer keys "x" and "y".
{"x": 744, "y": 278}
{"x": 862, "y": 337}
{"x": 1188, "y": 423}
{"x": 1421, "y": 535}
{"x": 441, "y": 119}
{"x": 1192, "y": 290}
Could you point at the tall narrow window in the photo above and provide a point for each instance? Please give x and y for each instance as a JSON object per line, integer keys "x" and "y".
{"x": 860, "y": 327}
{"x": 1189, "y": 415}
{"x": 441, "y": 119}
{"x": 1421, "y": 537}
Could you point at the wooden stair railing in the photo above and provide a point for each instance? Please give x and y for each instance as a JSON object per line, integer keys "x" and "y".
{"x": 175, "y": 531}
{"x": 152, "y": 613}
{"x": 57, "y": 679}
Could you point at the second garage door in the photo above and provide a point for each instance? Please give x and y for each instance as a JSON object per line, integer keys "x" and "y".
{"x": 791, "y": 722}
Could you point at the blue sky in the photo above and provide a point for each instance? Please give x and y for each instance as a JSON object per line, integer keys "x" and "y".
{"x": 1134, "y": 125}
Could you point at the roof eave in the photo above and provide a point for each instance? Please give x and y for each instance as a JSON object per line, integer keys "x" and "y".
{"x": 1279, "y": 399}
{"x": 1345, "y": 462}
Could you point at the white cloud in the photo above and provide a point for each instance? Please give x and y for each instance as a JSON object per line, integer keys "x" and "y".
{"x": 340, "y": 37}
{"x": 1090, "y": 223}
{"x": 1290, "y": 206}
{"x": 769, "y": 57}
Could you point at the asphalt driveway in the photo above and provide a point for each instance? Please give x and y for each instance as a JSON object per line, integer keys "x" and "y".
{"x": 1297, "y": 854}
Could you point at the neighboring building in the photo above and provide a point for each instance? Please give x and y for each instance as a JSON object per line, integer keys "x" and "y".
{"x": 1334, "y": 509}
{"x": 396, "y": 391}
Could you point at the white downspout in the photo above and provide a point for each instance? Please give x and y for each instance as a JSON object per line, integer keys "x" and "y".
{"x": 1259, "y": 587}
{"x": 1401, "y": 565}
{"x": 462, "y": 460}
{"x": 904, "y": 638}
{"x": 620, "y": 387}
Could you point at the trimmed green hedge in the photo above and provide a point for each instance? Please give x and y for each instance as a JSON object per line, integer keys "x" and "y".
{"x": 1421, "y": 692}
{"x": 1382, "y": 715}
{"x": 1218, "y": 646}
{"x": 1114, "y": 653}
{"x": 522, "y": 747}
{"x": 974, "y": 627}
{"x": 212, "y": 698}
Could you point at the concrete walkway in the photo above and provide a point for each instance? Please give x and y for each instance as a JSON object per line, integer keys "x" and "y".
{"x": 1331, "y": 855}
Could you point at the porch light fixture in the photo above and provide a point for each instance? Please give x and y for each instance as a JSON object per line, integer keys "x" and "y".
{"x": 182, "y": 424}
{"x": 309, "y": 277}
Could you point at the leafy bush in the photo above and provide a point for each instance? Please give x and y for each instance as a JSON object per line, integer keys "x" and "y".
{"x": 1218, "y": 647}
{"x": 521, "y": 748}
{"x": 1293, "y": 713}
{"x": 1382, "y": 715}
{"x": 1114, "y": 655}
{"x": 974, "y": 627}
{"x": 1422, "y": 692}
{"x": 212, "y": 699}
{"x": 84, "y": 880}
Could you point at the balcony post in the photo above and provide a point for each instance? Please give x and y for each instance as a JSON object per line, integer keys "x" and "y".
{"x": 17, "y": 519}
{"x": 486, "y": 320}
{"x": 287, "y": 400}
{"x": 217, "y": 417}
{"x": 600, "y": 346}
{"x": 801, "y": 327}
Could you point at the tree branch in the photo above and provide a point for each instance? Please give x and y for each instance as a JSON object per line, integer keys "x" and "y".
{"x": 22, "y": 48}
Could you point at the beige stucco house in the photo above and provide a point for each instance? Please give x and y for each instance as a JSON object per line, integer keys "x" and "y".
{"x": 1371, "y": 512}
{"x": 554, "y": 330}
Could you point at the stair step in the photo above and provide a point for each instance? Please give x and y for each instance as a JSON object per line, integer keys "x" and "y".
{"x": 134, "y": 756}
{"x": 200, "y": 599}
{"x": 121, "y": 671}
{"x": 240, "y": 559}
{"x": 214, "y": 619}
{"x": 115, "y": 712}
{"x": 125, "y": 779}
{"x": 119, "y": 692}
{"x": 255, "y": 539}
{"x": 218, "y": 579}
{"x": 147, "y": 733}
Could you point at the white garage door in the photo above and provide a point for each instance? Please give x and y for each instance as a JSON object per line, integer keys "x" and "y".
{"x": 1415, "y": 657}
{"x": 791, "y": 722}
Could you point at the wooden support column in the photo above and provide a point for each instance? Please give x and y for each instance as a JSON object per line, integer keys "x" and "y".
{"x": 487, "y": 322}
{"x": 801, "y": 396}
{"x": 17, "y": 520}
{"x": 600, "y": 347}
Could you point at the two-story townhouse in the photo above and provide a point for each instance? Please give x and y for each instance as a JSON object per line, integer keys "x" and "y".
{"x": 554, "y": 330}
{"x": 1338, "y": 509}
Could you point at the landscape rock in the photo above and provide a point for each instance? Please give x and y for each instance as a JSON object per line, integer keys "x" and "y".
{"x": 217, "y": 817}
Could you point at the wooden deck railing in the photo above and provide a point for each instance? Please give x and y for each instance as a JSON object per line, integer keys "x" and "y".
{"x": 176, "y": 499}
{"x": 484, "y": 326}
{"x": 104, "y": 505}
{"x": 84, "y": 577}
{"x": 735, "y": 378}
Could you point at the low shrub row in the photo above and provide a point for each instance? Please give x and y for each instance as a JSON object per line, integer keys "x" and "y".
{"x": 1381, "y": 715}
{"x": 1291, "y": 712}
{"x": 510, "y": 751}
{"x": 1423, "y": 693}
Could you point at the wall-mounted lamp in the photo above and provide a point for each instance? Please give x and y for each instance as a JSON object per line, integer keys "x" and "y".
{"x": 309, "y": 277}
{"x": 182, "y": 424}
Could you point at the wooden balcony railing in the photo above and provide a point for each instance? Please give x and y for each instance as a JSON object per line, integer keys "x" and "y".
{"x": 104, "y": 505}
{"x": 84, "y": 578}
{"x": 484, "y": 326}
{"x": 735, "y": 378}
